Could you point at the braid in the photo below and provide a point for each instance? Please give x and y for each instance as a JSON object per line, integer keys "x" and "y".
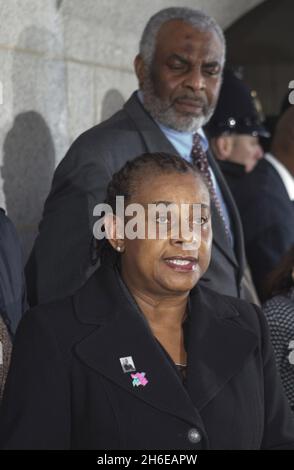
{"x": 124, "y": 182}
{"x": 119, "y": 185}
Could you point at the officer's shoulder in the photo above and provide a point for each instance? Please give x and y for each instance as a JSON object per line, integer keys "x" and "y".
{"x": 263, "y": 178}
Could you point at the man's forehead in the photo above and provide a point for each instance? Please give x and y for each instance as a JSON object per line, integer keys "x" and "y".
{"x": 179, "y": 35}
{"x": 176, "y": 28}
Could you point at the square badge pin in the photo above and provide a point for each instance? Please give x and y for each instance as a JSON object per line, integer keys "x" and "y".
{"x": 127, "y": 364}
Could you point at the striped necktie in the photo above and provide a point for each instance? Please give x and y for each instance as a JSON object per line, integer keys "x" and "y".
{"x": 199, "y": 159}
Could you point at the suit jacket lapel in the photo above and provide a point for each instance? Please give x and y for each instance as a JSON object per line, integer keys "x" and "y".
{"x": 219, "y": 236}
{"x": 234, "y": 215}
{"x": 152, "y": 135}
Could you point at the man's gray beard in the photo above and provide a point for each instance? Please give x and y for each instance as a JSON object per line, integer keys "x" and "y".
{"x": 163, "y": 112}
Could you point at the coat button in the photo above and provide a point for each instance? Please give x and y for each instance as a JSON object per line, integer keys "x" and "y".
{"x": 194, "y": 436}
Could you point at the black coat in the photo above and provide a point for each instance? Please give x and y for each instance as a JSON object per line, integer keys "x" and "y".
{"x": 267, "y": 215}
{"x": 63, "y": 258}
{"x": 66, "y": 388}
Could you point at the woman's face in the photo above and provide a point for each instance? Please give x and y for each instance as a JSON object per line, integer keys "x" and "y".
{"x": 170, "y": 266}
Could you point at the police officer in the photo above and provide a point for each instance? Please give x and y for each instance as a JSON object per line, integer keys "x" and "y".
{"x": 236, "y": 126}
{"x": 264, "y": 205}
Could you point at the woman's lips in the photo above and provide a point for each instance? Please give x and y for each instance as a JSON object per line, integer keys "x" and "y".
{"x": 182, "y": 264}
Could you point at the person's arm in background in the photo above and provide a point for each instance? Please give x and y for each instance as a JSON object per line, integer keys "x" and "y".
{"x": 12, "y": 284}
{"x": 35, "y": 411}
{"x": 12, "y": 292}
{"x": 280, "y": 319}
{"x": 268, "y": 230}
{"x": 5, "y": 354}
{"x": 278, "y": 418}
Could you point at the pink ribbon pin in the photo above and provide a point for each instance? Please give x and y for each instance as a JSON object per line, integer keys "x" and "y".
{"x": 139, "y": 379}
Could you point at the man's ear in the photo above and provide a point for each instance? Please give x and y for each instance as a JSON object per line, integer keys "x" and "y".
{"x": 223, "y": 146}
{"x": 140, "y": 69}
{"x": 114, "y": 231}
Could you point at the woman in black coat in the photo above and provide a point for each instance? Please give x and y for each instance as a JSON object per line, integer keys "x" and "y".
{"x": 140, "y": 358}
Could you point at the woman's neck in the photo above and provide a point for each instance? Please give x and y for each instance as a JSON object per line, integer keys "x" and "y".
{"x": 165, "y": 316}
{"x": 165, "y": 311}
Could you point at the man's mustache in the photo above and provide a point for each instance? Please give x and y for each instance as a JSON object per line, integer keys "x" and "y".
{"x": 198, "y": 101}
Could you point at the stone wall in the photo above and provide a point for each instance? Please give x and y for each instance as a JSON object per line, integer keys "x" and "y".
{"x": 64, "y": 66}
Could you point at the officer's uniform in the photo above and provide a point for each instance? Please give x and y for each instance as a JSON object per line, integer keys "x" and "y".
{"x": 265, "y": 208}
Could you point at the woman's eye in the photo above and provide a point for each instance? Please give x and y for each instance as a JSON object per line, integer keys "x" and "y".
{"x": 162, "y": 219}
{"x": 200, "y": 221}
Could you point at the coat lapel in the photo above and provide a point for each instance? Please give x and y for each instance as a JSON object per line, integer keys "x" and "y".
{"x": 124, "y": 332}
{"x": 220, "y": 238}
{"x": 217, "y": 344}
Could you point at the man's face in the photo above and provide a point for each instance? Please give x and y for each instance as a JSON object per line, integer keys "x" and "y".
{"x": 182, "y": 86}
{"x": 246, "y": 150}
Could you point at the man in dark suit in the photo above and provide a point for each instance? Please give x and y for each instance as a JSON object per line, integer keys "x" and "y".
{"x": 179, "y": 68}
{"x": 265, "y": 207}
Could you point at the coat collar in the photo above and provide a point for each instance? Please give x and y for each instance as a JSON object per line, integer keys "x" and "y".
{"x": 123, "y": 331}
{"x": 217, "y": 345}
{"x": 219, "y": 342}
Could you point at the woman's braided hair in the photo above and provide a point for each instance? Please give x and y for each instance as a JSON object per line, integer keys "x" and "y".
{"x": 125, "y": 181}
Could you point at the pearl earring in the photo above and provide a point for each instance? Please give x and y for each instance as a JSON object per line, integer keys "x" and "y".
{"x": 118, "y": 248}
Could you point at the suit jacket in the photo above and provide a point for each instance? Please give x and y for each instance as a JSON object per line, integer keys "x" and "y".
{"x": 12, "y": 291}
{"x": 267, "y": 215}
{"x": 75, "y": 394}
{"x": 64, "y": 256}
{"x": 12, "y": 286}
{"x": 5, "y": 354}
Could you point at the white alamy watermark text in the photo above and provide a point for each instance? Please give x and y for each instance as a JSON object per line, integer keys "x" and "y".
{"x": 160, "y": 220}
